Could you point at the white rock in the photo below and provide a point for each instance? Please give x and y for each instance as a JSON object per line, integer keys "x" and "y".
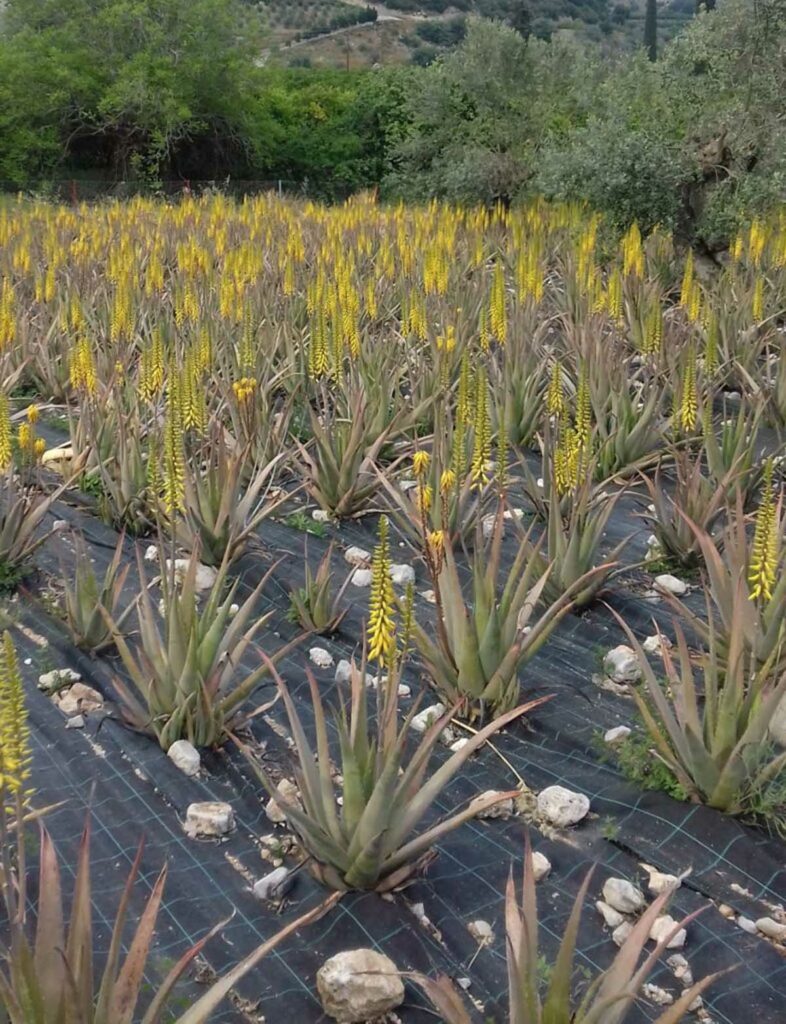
{"x": 481, "y": 931}
{"x": 320, "y": 657}
{"x": 185, "y": 756}
{"x": 358, "y": 985}
{"x": 655, "y": 644}
{"x": 58, "y": 459}
{"x": 623, "y": 895}
{"x": 151, "y": 553}
{"x": 290, "y": 794}
{"x": 361, "y": 578}
{"x": 408, "y": 485}
{"x": 681, "y": 969}
{"x": 541, "y": 865}
{"x": 211, "y": 818}
{"x": 78, "y": 699}
{"x": 616, "y": 735}
{"x": 77, "y": 722}
{"x": 612, "y": 917}
{"x": 459, "y": 744}
{"x": 621, "y": 665}
{"x": 404, "y": 690}
{"x": 621, "y": 933}
{"x": 502, "y": 809}
{"x": 429, "y": 596}
{"x": 57, "y": 678}
{"x": 343, "y": 671}
{"x": 747, "y": 924}
{"x": 562, "y": 807}
{"x": 424, "y": 719}
{"x": 772, "y": 929}
{"x": 233, "y": 610}
{"x": 671, "y": 584}
{"x": 358, "y": 557}
{"x": 204, "y": 578}
{"x": 660, "y": 882}
{"x": 320, "y": 515}
{"x": 402, "y": 575}
{"x": 661, "y": 927}
{"x": 656, "y": 994}
{"x": 274, "y": 885}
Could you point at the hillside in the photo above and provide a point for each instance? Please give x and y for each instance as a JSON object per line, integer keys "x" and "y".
{"x": 357, "y": 33}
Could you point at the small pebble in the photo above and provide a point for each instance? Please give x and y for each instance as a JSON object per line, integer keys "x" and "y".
{"x": 77, "y": 722}
{"x": 541, "y": 865}
{"x": 402, "y": 575}
{"x": 772, "y": 929}
{"x": 320, "y": 515}
{"x": 561, "y": 806}
{"x": 616, "y": 735}
{"x": 623, "y": 895}
{"x": 275, "y": 885}
{"x": 358, "y": 557}
{"x": 661, "y": 927}
{"x": 621, "y": 665}
{"x": 482, "y": 932}
{"x": 612, "y": 917}
{"x": 671, "y": 585}
{"x": 424, "y": 719}
{"x": 209, "y": 818}
{"x": 656, "y": 994}
{"x": 320, "y": 657}
{"x": 361, "y": 578}
{"x": 502, "y": 809}
{"x": 185, "y": 756}
{"x": 620, "y": 934}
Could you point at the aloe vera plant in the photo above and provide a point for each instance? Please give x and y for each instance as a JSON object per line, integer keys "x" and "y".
{"x": 314, "y": 605}
{"x": 339, "y": 472}
{"x": 569, "y": 550}
{"x": 183, "y": 680}
{"x": 608, "y": 998}
{"x": 479, "y": 644}
{"x": 23, "y": 510}
{"x": 225, "y": 500}
{"x": 50, "y": 980}
{"x": 694, "y": 498}
{"x": 87, "y": 601}
{"x": 759, "y": 622}
{"x": 714, "y": 737}
{"x": 373, "y": 841}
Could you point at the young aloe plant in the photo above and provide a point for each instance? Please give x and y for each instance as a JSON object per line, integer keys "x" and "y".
{"x": 23, "y": 510}
{"x": 313, "y": 605}
{"x": 694, "y": 498}
{"x": 571, "y": 542}
{"x": 373, "y": 842}
{"x": 86, "y": 601}
{"x": 474, "y": 654}
{"x": 608, "y": 998}
{"x": 340, "y": 471}
{"x": 225, "y": 501}
{"x": 714, "y": 737}
{"x": 51, "y": 978}
{"x": 183, "y": 680}
{"x": 760, "y": 562}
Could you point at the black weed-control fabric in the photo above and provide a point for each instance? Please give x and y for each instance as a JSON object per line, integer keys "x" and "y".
{"x": 132, "y": 789}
